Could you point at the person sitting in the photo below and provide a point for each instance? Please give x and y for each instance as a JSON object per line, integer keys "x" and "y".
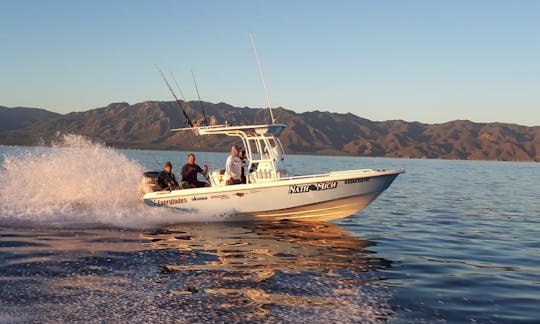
{"x": 190, "y": 171}
{"x": 166, "y": 178}
{"x": 233, "y": 167}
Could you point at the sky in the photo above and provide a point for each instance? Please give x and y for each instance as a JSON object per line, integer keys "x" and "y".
{"x": 425, "y": 61}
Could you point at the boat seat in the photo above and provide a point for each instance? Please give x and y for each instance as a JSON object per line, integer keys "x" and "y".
{"x": 218, "y": 177}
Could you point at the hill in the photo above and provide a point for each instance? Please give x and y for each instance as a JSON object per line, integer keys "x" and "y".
{"x": 14, "y": 118}
{"x": 147, "y": 125}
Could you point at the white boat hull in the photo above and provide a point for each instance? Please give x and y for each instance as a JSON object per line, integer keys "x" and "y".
{"x": 318, "y": 197}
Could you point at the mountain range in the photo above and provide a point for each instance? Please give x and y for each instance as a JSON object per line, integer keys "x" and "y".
{"x": 147, "y": 125}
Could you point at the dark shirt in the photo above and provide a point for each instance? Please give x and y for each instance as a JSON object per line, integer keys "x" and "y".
{"x": 189, "y": 175}
{"x": 243, "y": 176}
{"x": 167, "y": 180}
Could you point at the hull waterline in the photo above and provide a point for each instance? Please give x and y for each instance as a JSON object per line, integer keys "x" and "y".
{"x": 323, "y": 211}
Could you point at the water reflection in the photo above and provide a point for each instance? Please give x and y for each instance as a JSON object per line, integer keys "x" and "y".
{"x": 260, "y": 269}
{"x": 279, "y": 246}
{"x": 280, "y": 271}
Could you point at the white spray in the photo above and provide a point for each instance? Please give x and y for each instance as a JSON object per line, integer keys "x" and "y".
{"x": 77, "y": 183}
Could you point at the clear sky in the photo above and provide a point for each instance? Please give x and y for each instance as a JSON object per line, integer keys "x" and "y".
{"x": 427, "y": 61}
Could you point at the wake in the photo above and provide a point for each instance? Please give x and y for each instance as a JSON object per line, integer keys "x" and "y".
{"x": 75, "y": 183}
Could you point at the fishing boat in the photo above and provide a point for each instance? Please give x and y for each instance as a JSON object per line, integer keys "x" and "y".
{"x": 270, "y": 193}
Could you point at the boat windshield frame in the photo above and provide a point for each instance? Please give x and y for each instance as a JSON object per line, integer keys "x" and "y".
{"x": 261, "y": 143}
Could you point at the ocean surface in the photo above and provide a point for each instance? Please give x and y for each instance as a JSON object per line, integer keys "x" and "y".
{"x": 449, "y": 241}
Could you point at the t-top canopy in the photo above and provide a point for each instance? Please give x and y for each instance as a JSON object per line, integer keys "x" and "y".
{"x": 269, "y": 129}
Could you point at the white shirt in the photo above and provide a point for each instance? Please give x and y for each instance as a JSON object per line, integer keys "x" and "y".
{"x": 233, "y": 167}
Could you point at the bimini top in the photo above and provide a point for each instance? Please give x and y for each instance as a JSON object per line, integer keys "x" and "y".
{"x": 269, "y": 129}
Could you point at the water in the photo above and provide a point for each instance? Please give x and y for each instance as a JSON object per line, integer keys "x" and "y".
{"x": 450, "y": 241}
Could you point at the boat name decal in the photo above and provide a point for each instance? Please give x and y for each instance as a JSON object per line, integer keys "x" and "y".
{"x": 222, "y": 196}
{"x": 171, "y": 201}
{"x": 199, "y": 198}
{"x": 356, "y": 180}
{"x": 313, "y": 187}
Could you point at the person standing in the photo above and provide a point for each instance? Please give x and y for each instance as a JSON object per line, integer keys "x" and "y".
{"x": 190, "y": 171}
{"x": 166, "y": 179}
{"x": 245, "y": 163}
{"x": 233, "y": 167}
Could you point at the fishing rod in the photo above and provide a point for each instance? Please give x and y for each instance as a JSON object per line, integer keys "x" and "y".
{"x": 262, "y": 77}
{"x": 199, "y": 96}
{"x": 178, "y": 87}
{"x": 174, "y": 95}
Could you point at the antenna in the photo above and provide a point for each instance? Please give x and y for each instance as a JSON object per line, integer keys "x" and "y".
{"x": 262, "y": 77}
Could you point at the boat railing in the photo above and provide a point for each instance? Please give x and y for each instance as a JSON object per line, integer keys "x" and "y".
{"x": 261, "y": 175}
{"x": 332, "y": 173}
{"x": 351, "y": 171}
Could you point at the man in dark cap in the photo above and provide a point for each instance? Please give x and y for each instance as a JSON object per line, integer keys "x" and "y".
{"x": 166, "y": 178}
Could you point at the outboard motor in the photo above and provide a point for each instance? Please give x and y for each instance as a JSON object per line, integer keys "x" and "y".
{"x": 149, "y": 182}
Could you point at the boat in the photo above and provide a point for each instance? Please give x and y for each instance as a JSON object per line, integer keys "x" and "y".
{"x": 270, "y": 193}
